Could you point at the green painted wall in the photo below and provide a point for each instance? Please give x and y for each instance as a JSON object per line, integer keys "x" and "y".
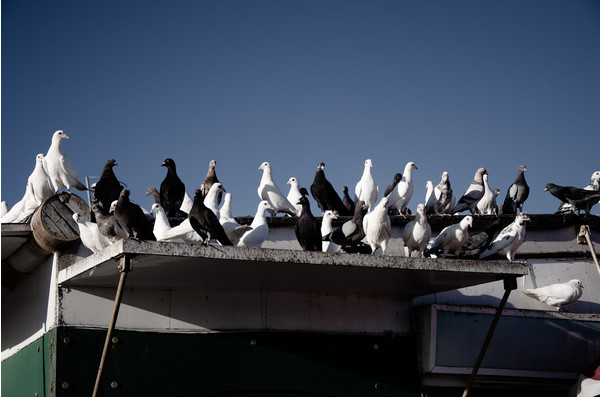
{"x": 220, "y": 364}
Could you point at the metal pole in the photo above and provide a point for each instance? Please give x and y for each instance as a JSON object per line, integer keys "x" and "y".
{"x": 585, "y": 230}
{"x": 124, "y": 268}
{"x": 509, "y": 284}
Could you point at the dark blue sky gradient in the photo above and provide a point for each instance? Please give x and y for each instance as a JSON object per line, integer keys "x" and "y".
{"x": 450, "y": 85}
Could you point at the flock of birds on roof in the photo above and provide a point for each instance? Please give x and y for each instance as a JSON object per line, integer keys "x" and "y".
{"x": 114, "y": 216}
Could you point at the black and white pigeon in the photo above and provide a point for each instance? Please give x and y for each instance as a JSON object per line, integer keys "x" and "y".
{"x": 391, "y": 186}
{"x": 509, "y": 240}
{"x": 348, "y": 202}
{"x": 325, "y": 195}
{"x": 107, "y": 223}
{"x": 452, "y": 238}
{"x": 517, "y": 193}
{"x": 445, "y": 197}
{"x": 472, "y": 195}
{"x": 399, "y": 198}
{"x": 308, "y": 228}
{"x": 593, "y": 185}
{"x": 350, "y": 234}
{"x": 378, "y": 227}
{"x": 557, "y": 295}
{"x": 205, "y": 222}
{"x": 366, "y": 188}
{"x": 269, "y": 191}
{"x": 59, "y": 166}
{"x": 580, "y": 199}
{"x": 132, "y": 219}
{"x": 108, "y": 188}
{"x": 172, "y": 190}
{"x": 210, "y": 179}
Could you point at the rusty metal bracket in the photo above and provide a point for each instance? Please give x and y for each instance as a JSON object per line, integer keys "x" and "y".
{"x": 125, "y": 266}
{"x": 510, "y": 284}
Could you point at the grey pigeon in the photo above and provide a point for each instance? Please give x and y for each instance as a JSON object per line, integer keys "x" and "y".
{"x": 452, "y": 238}
{"x": 132, "y": 219}
{"x": 108, "y": 188}
{"x": 472, "y": 195}
{"x": 348, "y": 202}
{"x": 557, "y": 295}
{"x": 209, "y": 180}
{"x": 580, "y": 199}
{"x": 517, "y": 193}
{"x": 366, "y": 189}
{"x": 325, "y": 195}
{"x": 172, "y": 190}
{"x": 445, "y": 197}
{"x": 479, "y": 240}
{"x": 308, "y": 228}
{"x": 59, "y": 166}
{"x": 509, "y": 240}
{"x": 155, "y": 195}
{"x": 107, "y": 224}
{"x": 205, "y": 222}
{"x": 391, "y": 186}
{"x": 378, "y": 227}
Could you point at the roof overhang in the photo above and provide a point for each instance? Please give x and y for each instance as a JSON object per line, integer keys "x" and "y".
{"x": 166, "y": 265}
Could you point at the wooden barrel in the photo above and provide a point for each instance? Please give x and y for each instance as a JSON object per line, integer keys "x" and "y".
{"x": 52, "y": 224}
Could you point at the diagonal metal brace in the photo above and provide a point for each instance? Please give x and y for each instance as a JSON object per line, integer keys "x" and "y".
{"x": 125, "y": 266}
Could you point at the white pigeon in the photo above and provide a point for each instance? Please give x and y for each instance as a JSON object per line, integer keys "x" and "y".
{"x": 3, "y": 208}
{"x": 211, "y": 201}
{"x": 557, "y": 295}
{"x": 161, "y": 225}
{"x": 472, "y": 195}
{"x": 509, "y": 239}
{"x": 294, "y": 193}
{"x": 378, "y": 227}
{"x": 327, "y": 229}
{"x": 401, "y": 195}
{"x": 183, "y": 231}
{"x": 452, "y": 238}
{"x": 90, "y": 235}
{"x": 187, "y": 203}
{"x": 268, "y": 190}
{"x": 232, "y": 228}
{"x": 485, "y": 206}
{"x": 417, "y": 232}
{"x": 59, "y": 166}
{"x": 432, "y": 195}
{"x": 366, "y": 189}
{"x": 259, "y": 229}
{"x": 41, "y": 185}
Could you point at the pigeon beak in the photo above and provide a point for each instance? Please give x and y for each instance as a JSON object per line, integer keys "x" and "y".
{"x": 65, "y": 136}
{"x": 163, "y": 164}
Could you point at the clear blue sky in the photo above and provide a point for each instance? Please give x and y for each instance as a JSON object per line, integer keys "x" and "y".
{"x": 450, "y": 85}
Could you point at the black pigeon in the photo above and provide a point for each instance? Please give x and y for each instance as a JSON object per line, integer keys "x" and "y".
{"x": 172, "y": 190}
{"x": 108, "y": 187}
{"x": 107, "y": 224}
{"x": 325, "y": 195}
{"x": 209, "y": 180}
{"x": 205, "y": 222}
{"x": 308, "y": 228}
{"x": 350, "y": 234}
{"x": 391, "y": 186}
{"x": 580, "y": 199}
{"x": 479, "y": 241}
{"x": 132, "y": 219}
{"x": 304, "y": 192}
{"x": 517, "y": 193}
{"x": 348, "y": 202}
